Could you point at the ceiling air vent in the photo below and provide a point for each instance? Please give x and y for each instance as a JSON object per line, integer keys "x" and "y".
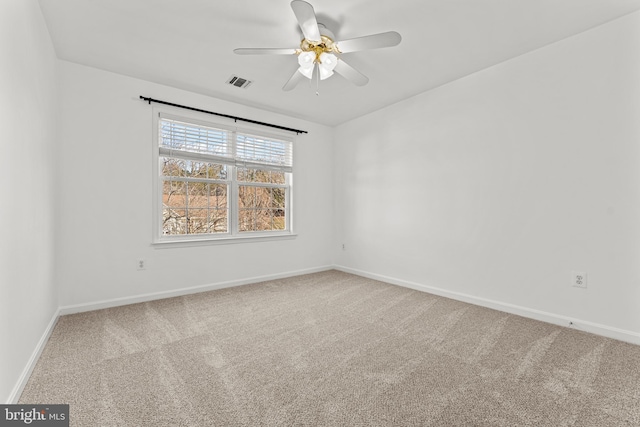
{"x": 238, "y": 82}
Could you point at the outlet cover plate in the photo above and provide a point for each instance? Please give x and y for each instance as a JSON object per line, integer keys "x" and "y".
{"x": 579, "y": 279}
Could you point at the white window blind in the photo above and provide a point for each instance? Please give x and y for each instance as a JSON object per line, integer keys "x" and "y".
{"x": 261, "y": 152}
{"x": 224, "y": 146}
{"x": 195, "y": 142}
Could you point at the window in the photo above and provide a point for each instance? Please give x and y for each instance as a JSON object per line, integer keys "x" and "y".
{"x": 216, "y": 182}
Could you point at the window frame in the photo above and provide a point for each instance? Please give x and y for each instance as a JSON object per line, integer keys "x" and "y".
{"x": 233, "y": 234}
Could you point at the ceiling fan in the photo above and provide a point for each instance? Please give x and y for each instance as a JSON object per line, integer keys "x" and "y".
{"x": 319, "y": 52}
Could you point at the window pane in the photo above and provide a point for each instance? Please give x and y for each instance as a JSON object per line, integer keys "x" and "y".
{"x": 217, "y": 196}
{"x": 255, "y": 197}
{"x": 263, "y": 197}
{"x": 195, "y": 169}
{"x": 279, "y": 220}
{"x": 174, "y": 221}
{"x": 252, "y": 175}
{"x": 246, "y": 196}
{"x": 198, "y": 194}
{"x": 218, "y": 221}
{"x": 277, "y": 177}
{"x": 246, "y": 220}
{"x": 174, "y": 194}
{"x": 189, "y": 168}
{"x": 216, "y": 171}
{"x": 244, "y": 174}
{"x": 171, "y": 167}
{"x": 261, "y": 220}
{"x": 261, "y": 208}
{"x": 197, "y": 221}
{"x": 278, "y": 198}
{"x": 264, "y": 220}
{"x": 259, "y": 175}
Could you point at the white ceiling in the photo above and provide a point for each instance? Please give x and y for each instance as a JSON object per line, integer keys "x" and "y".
{"x": 189, "y": 44}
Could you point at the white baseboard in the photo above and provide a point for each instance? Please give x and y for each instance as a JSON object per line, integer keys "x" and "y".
{"x": 115, "y": 302}
{"x": 556, "y": 319}
{"x": 28, "y": 369}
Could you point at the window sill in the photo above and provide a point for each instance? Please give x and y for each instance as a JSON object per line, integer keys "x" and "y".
{"x": 169, "y": 243}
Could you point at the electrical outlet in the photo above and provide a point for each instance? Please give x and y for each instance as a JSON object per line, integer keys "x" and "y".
{"x": 579, "y": 279}
{"x": 142, "y": 265}
{"x": 343, "y": 247}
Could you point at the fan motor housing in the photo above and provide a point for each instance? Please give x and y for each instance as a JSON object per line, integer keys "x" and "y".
{"x": 326, "y": 44}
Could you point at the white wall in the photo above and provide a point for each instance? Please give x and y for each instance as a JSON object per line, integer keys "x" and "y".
{"x": 105, "y": 195}
{"x": 28, "y": 297}
{"x": 498, "y": 185}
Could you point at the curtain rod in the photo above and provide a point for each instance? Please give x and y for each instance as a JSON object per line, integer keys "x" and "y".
{"x": 150, "y": 100}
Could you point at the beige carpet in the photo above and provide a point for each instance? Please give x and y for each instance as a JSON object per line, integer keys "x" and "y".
{"x": 331, "y": 349}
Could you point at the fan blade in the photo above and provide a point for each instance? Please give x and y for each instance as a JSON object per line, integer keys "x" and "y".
{"x": 293, "y": 81}
{"x": 307, "y": 20}
{"x": 264, "y": 51}
{"x": 351, "y": 74}
{"x": 374, "y": 41}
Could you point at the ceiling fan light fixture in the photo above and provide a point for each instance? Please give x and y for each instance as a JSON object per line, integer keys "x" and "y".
{"x": 324, "y": 73}
{"x": 306, "y": 59}
{"x": 307, "y": 62}
{"x": 307, "y": 72}
{"x": 328, "y": 62}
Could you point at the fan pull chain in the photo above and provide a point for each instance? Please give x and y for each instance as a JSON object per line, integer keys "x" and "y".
{"x": 317, "y": 81}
